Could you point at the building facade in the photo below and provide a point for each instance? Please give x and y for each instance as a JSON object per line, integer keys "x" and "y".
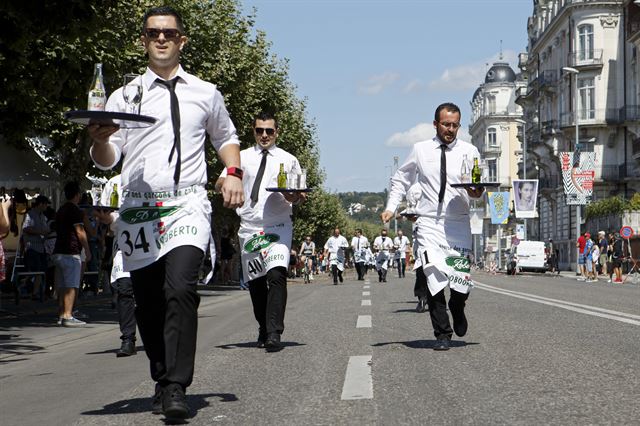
{"x": 588, "y": 45}
{"x": 495, "y": 127}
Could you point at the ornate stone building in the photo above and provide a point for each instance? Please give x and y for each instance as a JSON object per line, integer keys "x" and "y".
{"x": 595, "y": 42}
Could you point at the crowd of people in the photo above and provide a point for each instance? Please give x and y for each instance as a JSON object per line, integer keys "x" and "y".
{"x": 602, "y": 255}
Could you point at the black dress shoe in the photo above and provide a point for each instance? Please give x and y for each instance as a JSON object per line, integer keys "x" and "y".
{"x": 459, "y": 323}
{"x": 262, "y": 338}
{"x": 174, "y": 403}
{"x": 340, "y": 278}
{"x": 128, "y": 348}
{"x": 441, "y": 345}
{"x": 422, "y": 305}
{"x": 273, "y": 343}
{"x": 156, "y": 402}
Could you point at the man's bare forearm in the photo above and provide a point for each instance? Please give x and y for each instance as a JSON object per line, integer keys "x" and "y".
{"x": 103, "y": 154}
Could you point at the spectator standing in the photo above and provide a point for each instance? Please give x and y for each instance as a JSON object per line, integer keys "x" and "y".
{"x": 35, "y": 229}
{"x": 5, "y": 203}
{"x": 587, "y": 253}
{"x": 580, "y": 244}
{"x": 617, "y": 254}
{"x": 604, "y": 249}
{"x": 71, "y": 239}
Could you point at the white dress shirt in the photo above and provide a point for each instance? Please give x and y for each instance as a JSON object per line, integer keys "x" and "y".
{"x": 422, "y": 167}
{"x": 401, "y": 245}
{"x": 271, "y": 207}
{"x": 146, "y": 165}
{"x": 336, "y": 245}
{"x": 359, "y": 243}
{"x": 382, "y": 243}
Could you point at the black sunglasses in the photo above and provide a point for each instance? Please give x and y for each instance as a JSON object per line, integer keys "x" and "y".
{"x": 168, "y": 32}
{"x": 260, "y": 130}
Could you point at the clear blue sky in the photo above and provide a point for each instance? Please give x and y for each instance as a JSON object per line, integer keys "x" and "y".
{"x": 373, "y": 71}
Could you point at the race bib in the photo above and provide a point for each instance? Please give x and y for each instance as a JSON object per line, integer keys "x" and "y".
{"x": 138, "y": 241}
{"x": 264, "y": 249}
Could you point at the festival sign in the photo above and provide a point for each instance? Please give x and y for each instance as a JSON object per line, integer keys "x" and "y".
{"x": 499, "y": 207}
{"x": 577, "y": 176}
{"x": 525, "y": 193}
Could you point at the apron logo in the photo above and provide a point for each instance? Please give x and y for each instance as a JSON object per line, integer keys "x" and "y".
{"x": 259, "y": 242}
{"x": 460, "y": 264}
{"x": 147, "y": 214}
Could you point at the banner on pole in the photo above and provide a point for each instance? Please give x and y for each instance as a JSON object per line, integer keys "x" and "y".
{"x": 525, "y": 192}
{"x": 577, "y": 176}
{"x": 499, "y": 207}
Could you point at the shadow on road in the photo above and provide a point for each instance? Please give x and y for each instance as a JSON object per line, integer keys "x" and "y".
{"x": 139, "y": 349}
{"x": 254, "y": 344}
{"x": 425, "y": 344}
{"x": 14, "y": 344}
{"x": 143, "y": 405}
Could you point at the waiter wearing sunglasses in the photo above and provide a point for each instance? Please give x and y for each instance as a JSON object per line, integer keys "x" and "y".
{"x": 442, "y": 231}
{"x": 266, "y": 228}
{"x": 163, "y": 227}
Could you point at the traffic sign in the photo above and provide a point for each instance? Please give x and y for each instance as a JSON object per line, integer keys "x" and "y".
{"x": 626, "y": 232}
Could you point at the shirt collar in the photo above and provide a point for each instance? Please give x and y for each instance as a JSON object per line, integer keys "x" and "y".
{"x": 258, "y": 149}
{"x": 449, "y": 146}
{"x": 149, "y": 77}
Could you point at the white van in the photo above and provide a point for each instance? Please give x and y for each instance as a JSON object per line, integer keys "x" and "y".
{"x": 531, "y": 256}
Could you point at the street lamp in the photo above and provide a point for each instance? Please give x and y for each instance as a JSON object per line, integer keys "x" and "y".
{"x": 576, "y": 151}
{"x": 524, "y": 160}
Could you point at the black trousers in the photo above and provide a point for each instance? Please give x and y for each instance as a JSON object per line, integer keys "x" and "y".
{"x": 167, "y": 313}
{"x": 269, "y": 299}
{"x": 402, "y": 266}
{"x": 382, "y": 274}
{"x": 337, "y": 273}
{"x": 360, "y": 270}
{"x": 438, "y": 307}
{"x": 126, "y": 305}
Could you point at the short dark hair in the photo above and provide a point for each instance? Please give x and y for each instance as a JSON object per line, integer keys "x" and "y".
{"x": 71, "y": 189}
{"x": 449, "y": 106}
{"x": 163, "y": 11}
{"x": 264, "y": 116}
{"x": 359, "y": 230}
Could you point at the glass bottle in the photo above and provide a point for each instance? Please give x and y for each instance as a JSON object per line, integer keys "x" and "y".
{"x": 282, "y": 177}
{"x": 465, "y": 170}
{"x": 476, "y": 173}
{"x": 97, "y": 93}
{"x": 114, "y": 199}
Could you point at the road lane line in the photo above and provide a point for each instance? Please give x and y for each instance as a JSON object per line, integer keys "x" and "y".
{"x": 366, "y": 287}
{"x": 575, "y": 307}
{"x": 364, "y": 321}
{"x": 358, "y": 383}
{"x": 366, "y": 302}
{"x": 366, "y": 293}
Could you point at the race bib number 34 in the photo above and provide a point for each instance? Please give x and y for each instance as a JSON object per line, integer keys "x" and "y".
{"x": 138, "y": 241}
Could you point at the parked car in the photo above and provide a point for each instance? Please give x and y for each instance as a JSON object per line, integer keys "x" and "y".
{"x": 531, "y": 256}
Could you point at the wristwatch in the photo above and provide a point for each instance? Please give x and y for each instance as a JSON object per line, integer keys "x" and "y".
{"x": 235, "y": 171}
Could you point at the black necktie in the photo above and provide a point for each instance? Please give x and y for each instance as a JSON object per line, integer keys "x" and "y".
{"x": 175, "y": 120}
{"x": 256, "y": 185}
{"x": 443, "y": 173}
{"x": 358, "y": 243}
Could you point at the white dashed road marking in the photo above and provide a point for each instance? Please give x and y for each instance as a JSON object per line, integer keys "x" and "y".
{"x": 366, "y": 302}
{"x": 364, "y": 321}
{"x": 366, "y": 293}
{"x": 358, "y": 383}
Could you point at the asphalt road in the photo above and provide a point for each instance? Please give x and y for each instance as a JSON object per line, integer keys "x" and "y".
{"x": 540, "y": 349}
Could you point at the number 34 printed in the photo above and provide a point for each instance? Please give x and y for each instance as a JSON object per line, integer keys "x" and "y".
{"x": 137, "y": 242}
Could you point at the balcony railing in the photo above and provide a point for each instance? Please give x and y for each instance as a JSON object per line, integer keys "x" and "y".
{"x": 591, "y": 117}
{"x": 546, "y": 80}
{"x": 635, "y": 148}
{"x": 629, "y": 113}
{"x": 586, "y": 58}
{"x": 617, "y": 172}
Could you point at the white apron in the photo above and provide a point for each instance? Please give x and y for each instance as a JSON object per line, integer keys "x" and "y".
{"x": 151, "y": 224}
{"x": 337, "y": 259}
{"x": 264, "y": 248}
{"x": 382, "y": 260}
{"x": 447, "y": 242}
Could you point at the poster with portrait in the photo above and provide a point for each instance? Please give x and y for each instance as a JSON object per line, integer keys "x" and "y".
{"x": 525, "y": 195}
{"x": 498, "y": 207}
{"x": 577, "y": 176}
